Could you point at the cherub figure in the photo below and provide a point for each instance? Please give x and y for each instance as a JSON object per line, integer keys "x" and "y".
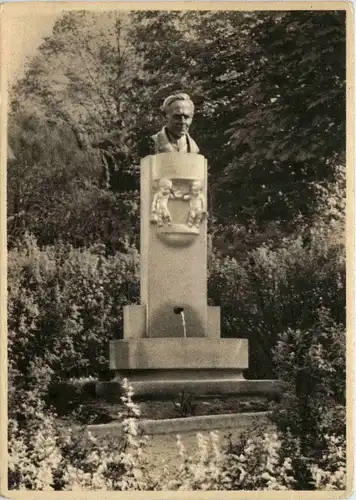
{"x": 197, "y": 207}
{"x": 159, "y": 209}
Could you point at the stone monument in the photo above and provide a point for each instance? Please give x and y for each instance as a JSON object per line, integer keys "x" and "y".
{"x": 172, "y": 339}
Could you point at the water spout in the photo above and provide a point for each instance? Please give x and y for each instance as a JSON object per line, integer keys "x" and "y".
{"x": 184, "y": 325}
{"x": 180, "y": 310}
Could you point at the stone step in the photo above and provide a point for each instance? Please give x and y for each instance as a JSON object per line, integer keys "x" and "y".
{"x": 183, "y": 425}
{"x": 168, "y": 383}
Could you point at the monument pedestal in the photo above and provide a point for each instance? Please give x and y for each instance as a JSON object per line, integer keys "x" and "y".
{"x": 165, "y": 368}
{"x": 172, "y": 339}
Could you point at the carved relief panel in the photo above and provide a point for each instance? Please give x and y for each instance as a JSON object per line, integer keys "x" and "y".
{"x": 177, "y": 203}
{"x": 193, "y": 209}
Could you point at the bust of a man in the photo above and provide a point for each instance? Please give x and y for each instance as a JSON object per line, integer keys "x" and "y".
{"x": 174, "y": 137}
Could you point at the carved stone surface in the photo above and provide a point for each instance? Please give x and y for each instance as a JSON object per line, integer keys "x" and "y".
{"x": 159, "y": 208}
{"x": 161, "y": 214}
{"x": 177, "y": 166}
{"x": 179, "y": 353}
{"x": 197, "y": 204}
{"x": 177, "y": 229}
{"x": 173, "y": 257}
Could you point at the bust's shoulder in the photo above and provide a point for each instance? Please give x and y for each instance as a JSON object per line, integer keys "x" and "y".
{"x": 159, "y": 143}
{"x": 193, "y": 146}
{"x": 153, "y": 144}
{"x": 155, "y": 137}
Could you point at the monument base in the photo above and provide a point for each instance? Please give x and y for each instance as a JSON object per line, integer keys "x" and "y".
{"x": 179, "y": 353}
{"x": 163, "y": 384}
{"x": 164, "y": 367}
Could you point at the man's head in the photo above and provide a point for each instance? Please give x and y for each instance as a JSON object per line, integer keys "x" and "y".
{"x": 179, "y": 111}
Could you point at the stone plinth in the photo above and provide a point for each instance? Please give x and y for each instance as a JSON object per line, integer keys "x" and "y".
{"x": 178, "y": 353}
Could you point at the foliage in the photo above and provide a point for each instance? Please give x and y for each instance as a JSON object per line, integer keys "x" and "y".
{"x": 275, "y": 290}
{"x": 45, "y": 456}
{"x": 75, "y": 399}
{"x": 290, "y": 121}
{"x": 55, "y": 189}
{"x": 75, "y": 91}
{"x": 64, "y": 305}
{"x": 312, "y": 364}
{"x": 77, "y": 74}
{"x": 254, "y": 463}
{"x": 279, "y": 287}
{"x": 261, "y": 119}
{"x": 314, "y": 360}
{"x": 259, "y": 462}
{"x": 330, "y": 473}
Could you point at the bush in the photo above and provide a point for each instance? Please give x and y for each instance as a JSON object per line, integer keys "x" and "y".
{"x": 261, "y": 461}
{"x": 278, "y": 288}
{"x": 312, "y": 409}
{"x": 45, "y": 456}
{"x": 64, "y": 305}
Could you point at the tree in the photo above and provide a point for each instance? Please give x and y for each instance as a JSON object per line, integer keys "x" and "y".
{"x": 269, "y": 89}
{"x": 54, "y": 189}
{"x": 73, "y": 90}
{"x": 289, "y": 126}
{"x": 270, "y": 95}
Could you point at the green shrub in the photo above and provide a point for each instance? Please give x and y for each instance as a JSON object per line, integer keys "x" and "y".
{"x": 277, "y": 289}
{"x": 312, "y": 409}
{"x": 260, "y": 461}
{"x": 43, "y": 455}
{"x": 64, "y": 305}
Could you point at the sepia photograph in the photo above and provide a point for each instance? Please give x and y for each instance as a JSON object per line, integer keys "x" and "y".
{"x": 176, "y": 249}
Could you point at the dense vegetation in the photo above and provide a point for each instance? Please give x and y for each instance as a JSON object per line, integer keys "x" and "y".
{"x": 269, "y": 90}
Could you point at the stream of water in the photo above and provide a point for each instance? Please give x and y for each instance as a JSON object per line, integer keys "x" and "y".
{"x": 184, "y": 325}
